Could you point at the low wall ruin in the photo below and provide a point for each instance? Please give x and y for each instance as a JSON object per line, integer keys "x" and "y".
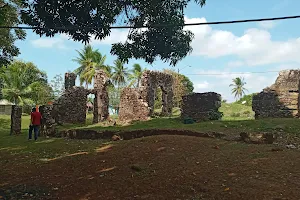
{"x": 144, "y": 97}
{"x": 281, "y": 100}
{"x": 200, "y": 106}
{"x": 48, "y": 121}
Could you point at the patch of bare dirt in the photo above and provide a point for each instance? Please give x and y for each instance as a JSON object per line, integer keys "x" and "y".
{"x": 163, "y": 167}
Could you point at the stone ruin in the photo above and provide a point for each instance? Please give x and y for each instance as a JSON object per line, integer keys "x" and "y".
{"x": 138, "y": 103}
{"x": 71, "y": 106}
{"x": 16, "y": 120}
{"x": 48, "y": 120}
{"x": 200, "y": 106}
{"x": 281, "y": 100}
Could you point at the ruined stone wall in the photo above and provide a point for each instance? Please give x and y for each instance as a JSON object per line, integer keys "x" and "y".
{"x": 48, "y": 121}
{"x": 281, "y": 99}
{"x": 199, "y": 106}
{"x": 101, "y": 101}
{"x": 16, "y": 120}
{"x": 70, "y": 79}
{"x": 132, "y": 106}
{"x": 138, "y": 104}
{"x": 71, "y": 106}
{"x": 150, "y": 81}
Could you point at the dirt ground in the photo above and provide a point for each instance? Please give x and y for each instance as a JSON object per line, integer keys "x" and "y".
{"x": 159, "y": 168}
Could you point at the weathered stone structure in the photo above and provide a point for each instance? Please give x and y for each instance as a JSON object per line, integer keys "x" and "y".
{"x": 132, "y": 106}
{"x": 200, "y": 106}
{"x": 101, "y": 101}
{"x": 138, "y": 104}
{"x": 281, "y": 99}
{"x": 70, "y": 79}
{"x": 71, "y": 107}
{"x": 16, "y": 120}
{"x": 48, "y": 121}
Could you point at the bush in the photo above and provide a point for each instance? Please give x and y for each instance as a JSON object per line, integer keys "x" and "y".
{"x": 188, "y": 121}
{"x": 247, "y": 98}
{"x": 215, "y": 115}
{"x": 235, "y": 114}
{"x": 247, "y": 112}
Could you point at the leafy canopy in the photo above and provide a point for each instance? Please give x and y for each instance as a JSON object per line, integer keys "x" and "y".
{"x": 238, "y": 87}
{"x": 9, "y": 17}
{"x": 84, "y": 19}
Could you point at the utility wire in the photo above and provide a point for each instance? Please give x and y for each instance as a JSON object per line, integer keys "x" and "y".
{"x": 158, "y": 25}
{"x": 230, "y": 73}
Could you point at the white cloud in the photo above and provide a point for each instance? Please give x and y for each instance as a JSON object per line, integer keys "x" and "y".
{"x": 235, "y": 64}
{"x": 203, "y": 85}
{"x": 254, "y": 47}
{"x": 114, "y": 37}
{"x": 266, "y": 24}
{"x": 56, "y": 42}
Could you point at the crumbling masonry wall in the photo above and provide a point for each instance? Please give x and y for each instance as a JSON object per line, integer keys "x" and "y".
{"x": 200, "y": 106}
{"x": 101, "y": 101}
{"x": 48, "y": 121}
{"x": 16, "y": 120}
{"x": 71, "y": 106}
{"x": 70, "y": 79}
{"x": 144, "y": 97}
{"x": 281, "y": 99}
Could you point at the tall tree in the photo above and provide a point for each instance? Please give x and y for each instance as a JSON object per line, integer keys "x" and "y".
{"x": 170, "y": 43}
{"x": 89, "y": 60}
{"x": 238, "y": 87}
{"x": 24, "y": 82}
{"x": 120, "y": 73}
{"x": 57, "y": 84}
{"x": 9, "y": 17}
{"x": 136, "y": 75}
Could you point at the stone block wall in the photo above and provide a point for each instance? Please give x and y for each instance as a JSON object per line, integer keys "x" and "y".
{"x": 70, "y": 79}
{"x": 101, "y": 101}
{"x": 48, "y": 121}
{"x": 71, "y": 106}
{"x": 198, "y": 106}
{"x": 281, "y": 99}
{"x": 138, "y": 104}
{"x": 132, "y": 106}
{"x": 16, "y": 120}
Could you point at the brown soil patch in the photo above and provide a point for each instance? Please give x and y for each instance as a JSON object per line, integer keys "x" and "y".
{"x": 160, "y": 168}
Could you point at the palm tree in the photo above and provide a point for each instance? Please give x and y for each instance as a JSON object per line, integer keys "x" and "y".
{"x": 136, "y": 75}
{"x": 238, "y": 87}
{"x": 22, "y": 83}
{"x": 120, "y": 73}
{"x": 89, "y": 60}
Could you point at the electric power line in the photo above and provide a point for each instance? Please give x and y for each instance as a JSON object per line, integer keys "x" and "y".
{"x": 231, "y": 73}
{"x": 159, "y": 25}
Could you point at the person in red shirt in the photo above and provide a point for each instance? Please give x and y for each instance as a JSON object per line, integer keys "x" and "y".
{"x": 36, "y": 118}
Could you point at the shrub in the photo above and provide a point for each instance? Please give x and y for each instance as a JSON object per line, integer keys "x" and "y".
{"x": 247, "y": 98}
{"x": 247, "y": 112}
{"x": 215, "y": 115}
{"x": 235, "y": 114}
{"x": 188, "y": 121}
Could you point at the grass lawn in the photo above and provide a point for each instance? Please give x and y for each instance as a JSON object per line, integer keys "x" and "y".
{"x": 160, "y": 167}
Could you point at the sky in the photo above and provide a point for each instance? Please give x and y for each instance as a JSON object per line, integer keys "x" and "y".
{"x": 220, "y": 52}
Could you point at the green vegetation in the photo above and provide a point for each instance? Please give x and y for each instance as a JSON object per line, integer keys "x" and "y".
{"x": 9, "y": 17}
{"x": 169, "y": 44}
{"x": 24, "y": 84}
{"x": 238, "y": 87}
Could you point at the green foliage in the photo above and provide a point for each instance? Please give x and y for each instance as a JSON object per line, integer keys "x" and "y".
{"x": 187, "y": 83}
{"x": 57, "y": 85}
{"x": 9, "y": 17}
{"x": 235, "y": 111}
{"x": 120, "y": 73}
{"x": 188, "y": 121}
{"x": 235, "y": 114}
{"x": 136, "y": 75}
{"x": 24, "y": 83}
{"x": 238, "y": 87}
{"x": 89, "y": 61}
{"x": 171, "y": 43}
{"x": 247, "y": 98}
{"x": 215, "y": 115}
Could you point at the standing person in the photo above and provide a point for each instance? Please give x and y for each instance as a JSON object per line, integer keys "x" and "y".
{"x": 36, "y": 118}
{"x": 30, "y": 126}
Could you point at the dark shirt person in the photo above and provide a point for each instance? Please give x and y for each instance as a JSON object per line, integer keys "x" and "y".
{"x": 36, "y": 118}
